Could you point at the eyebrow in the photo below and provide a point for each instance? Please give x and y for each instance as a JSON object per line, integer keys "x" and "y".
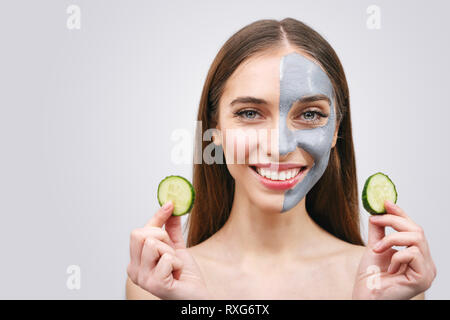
{"x": 305, "y": 99}
{"x": 316, "y": 97}
{"x": 248, "y": 99}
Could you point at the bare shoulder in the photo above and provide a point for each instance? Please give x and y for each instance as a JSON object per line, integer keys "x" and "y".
{"x": 343, "y": 250}
{"x": 345, "y": 258}
{"x": 134, "y": 292}
{"x": 204, "y": 251}
{"x": 209, "y": 259}
{"x": 354, "y": 252}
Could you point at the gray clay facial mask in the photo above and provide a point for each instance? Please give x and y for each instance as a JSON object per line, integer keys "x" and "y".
{"x": 301, "y": 77}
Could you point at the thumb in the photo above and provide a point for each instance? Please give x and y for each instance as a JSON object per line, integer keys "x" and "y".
{"x": 173, "y": 228}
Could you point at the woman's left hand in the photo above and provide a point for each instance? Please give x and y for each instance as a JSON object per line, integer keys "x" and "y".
{"x": 386, "y": 273}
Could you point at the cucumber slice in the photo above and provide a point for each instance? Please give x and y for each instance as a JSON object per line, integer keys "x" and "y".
{"x": 377, "y": 189}
{"x": 180, "y": 191}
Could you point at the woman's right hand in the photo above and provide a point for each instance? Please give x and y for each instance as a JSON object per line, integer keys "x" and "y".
{"x": 160, "y": 262}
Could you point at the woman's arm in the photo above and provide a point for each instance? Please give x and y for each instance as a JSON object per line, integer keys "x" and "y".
{"x": 134, "y": 292}
{"x": 420, "y": 296}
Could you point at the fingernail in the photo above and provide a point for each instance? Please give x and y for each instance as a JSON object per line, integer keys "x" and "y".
{"x": 166, "y": 206}
{"x": 389, "y": 202}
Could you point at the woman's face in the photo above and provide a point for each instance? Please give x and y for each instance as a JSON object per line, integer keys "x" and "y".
{"x": 277, "y": 127}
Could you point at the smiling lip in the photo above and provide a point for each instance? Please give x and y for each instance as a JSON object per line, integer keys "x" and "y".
{"x": 277, "y": 166}
{"x": 278, "y": 184}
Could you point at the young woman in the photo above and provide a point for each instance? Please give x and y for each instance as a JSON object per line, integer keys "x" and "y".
{"x": 286, "y": 225}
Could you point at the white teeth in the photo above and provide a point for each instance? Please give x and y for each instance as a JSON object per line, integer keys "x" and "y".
{"x": 274, "y": 175}
{"x": 293, "y": 172}
{"x": 288, "y": 174}
{"x": 277, "y": 175}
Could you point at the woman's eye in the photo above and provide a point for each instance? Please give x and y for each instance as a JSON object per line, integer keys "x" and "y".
{"x": 309, "y": 115}
{"x": 248, "y": 114}
{"x": 312, "y": 116}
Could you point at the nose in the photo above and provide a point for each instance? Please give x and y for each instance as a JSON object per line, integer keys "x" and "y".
{"x": 286, "y": 139}
{"x": 281, "y": 141}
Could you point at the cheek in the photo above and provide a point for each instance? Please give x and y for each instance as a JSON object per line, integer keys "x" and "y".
{"x": 239, "y": 145}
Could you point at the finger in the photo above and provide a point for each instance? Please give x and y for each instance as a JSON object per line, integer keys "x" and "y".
{"x": 394, "y": 209}
{"x": 173, "y": 228}
{"x": 396, "y": 222}
{"x": 152, "y": 251}
{"x": 159, "y": 234}
{"x": 410, "y": 256}
{"x": 376, "y": 233}
{"x": 138, "y": 237}
{"x": 161, "y": 216}
{"x": 399, "y": 239}
{"x": 166, "y": 265}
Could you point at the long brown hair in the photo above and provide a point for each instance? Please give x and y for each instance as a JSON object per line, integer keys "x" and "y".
{"x": 333, "y": 201}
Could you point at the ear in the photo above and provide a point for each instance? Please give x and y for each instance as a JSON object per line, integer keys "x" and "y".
{"x": 335, "y": 137}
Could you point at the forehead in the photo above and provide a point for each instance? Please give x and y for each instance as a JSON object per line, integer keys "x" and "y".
{"x": 302, "y": 77}
{"x": 260, "y": 75}
{"x": 257, "y": 76}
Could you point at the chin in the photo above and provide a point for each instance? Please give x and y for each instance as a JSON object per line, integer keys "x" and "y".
{"x": 272, "y": 203}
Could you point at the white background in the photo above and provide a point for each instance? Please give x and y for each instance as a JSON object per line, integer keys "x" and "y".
{"x": 86, "y": 118}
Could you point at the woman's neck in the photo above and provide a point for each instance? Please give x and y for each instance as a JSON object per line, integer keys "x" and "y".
{"x": 251, "y": 232}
